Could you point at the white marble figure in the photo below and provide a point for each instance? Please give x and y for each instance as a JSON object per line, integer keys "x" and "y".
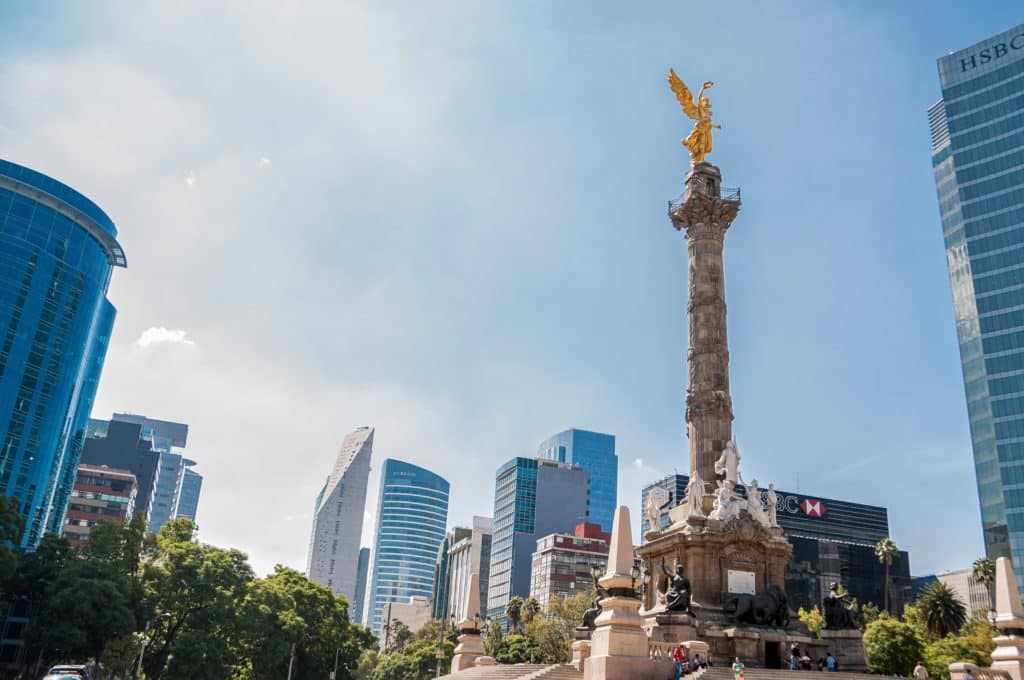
{"x": 773, "y": 506}
{"x": 754, "y": 506}
{"x": 657, "y": 497}
{"x": 695, "y": 497}
{"x": 728, "y": 463}
{"x": 727, "y": 506}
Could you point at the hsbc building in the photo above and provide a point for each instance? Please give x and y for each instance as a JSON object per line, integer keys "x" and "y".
{"x": 832, "y": 540}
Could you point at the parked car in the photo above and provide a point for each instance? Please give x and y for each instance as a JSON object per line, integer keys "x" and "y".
{"x": 69, "y": 672}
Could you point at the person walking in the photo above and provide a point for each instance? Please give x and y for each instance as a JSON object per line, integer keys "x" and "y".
{"x": 679, "y": 656}
{"x": 737, "y": 669}
{"x": 920, "y": 672}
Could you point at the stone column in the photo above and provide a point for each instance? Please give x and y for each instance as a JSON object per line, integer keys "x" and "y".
{"x": 1009, "y": 652}
{"x": 618, "y": 649}
{"x": 705, "y": 216}
{"x": 470, "y": 650}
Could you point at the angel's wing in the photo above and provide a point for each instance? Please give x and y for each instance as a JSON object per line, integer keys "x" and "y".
{"x": 683, "y": 95}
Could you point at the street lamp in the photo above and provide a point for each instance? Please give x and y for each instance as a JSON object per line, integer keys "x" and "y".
{"x": 145, "y": 640}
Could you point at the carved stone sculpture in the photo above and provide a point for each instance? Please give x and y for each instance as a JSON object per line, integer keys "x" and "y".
{"x": 695, "y": 497}
{"x": 727, "y": 505}
{"x": 754, "y": 506}
{"x": 836, "y": 608}
{"x": 657, "y": 498}
{"x": 773, "y": 506}
{"x": 769, "y": 608}
{"x": 677, "y": 593}
{"x": 728, "y": 463}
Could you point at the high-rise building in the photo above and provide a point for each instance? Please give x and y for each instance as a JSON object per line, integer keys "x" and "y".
{"x": 595, "y": 453}
{"x": 362, "y": 571}
{"x": 338, "y": 518}
{"x": 57, "y": 253}
{"x": 439, "y": 598}
{"x": 532, "y": 498}
{"x": 561, "y": 566}
{"x": 975, "y": 597}
{"x": 152, "y": 450}
{"x": 120, "y": 446}
{"x": 191, "y": 486}
{"x": 99, "y": 494}
{"x": 412, "y": 513}
{"x": 832, "y": 541}
{"x": 977, "y": 133}
{"x": 471, "y": 555}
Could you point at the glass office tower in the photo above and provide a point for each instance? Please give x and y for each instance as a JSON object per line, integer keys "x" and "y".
{"x": 977, "y": 133}
{"x": 412, "y": 514}
{"x": 57, "y": 252}
{"x": 595, "y": 453}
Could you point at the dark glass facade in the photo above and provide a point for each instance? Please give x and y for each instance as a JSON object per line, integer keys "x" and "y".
{"x": 57, "y": 252}
{"x": 832, "y": 541}
{"x": 121, "y": 446}
{"x": 532, "y": 498}
{"x": 412, "y": 513}
{"x": 977, "y": 133}
{"x": 595, "y": 453}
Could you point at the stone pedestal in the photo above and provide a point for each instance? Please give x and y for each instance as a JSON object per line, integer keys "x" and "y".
{"x": 847, "y": 646}
{"x": 485, "y": 661}
{"x": 580, "y": 654}
{"x": 1009, "y": 655}
{"x": 674, "y": 627}
{"x": 469, "y": 649}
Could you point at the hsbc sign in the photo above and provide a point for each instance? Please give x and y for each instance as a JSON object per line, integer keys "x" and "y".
{"x": 795, "y": 505}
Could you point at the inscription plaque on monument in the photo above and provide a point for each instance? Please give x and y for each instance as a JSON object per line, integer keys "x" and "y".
{"x": 742, "y": 582}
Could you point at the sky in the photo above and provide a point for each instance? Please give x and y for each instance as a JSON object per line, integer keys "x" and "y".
{"x": 448, "y": 221}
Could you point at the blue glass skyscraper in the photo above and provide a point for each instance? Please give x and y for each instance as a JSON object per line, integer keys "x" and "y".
{"x": 57, "y": 252}
{"x": 595, "y": 453}
{"x": 412, "y": 514}
{"x": 977, "y": 133}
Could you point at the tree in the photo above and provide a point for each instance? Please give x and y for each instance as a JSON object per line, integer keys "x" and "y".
{"x": 892, "y": 646}
{"x": 530, "y": 608}
{"x": 973, "y": 644}
{"x": 11, "y": 526}
{"x": 813, "y": 619}
{"x": 199, "y": 588}
{"x": 549, "y": 642}
{"x": 515, "y": 648}
{"x": 396, "y": 636}
{"x": 493, "y": 638}
{"x": 864, "y": 614}
{"x": 514, "y": 612}
{"x": 984, "y": 572}
{"x": 943, "y": 611}
{"x": 885, "y": 551}
{"x": 85, "y": 610}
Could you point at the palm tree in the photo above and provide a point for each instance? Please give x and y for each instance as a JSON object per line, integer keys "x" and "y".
{"x": 943, "y": 611}
{"x": 530, "y": 608}
{"x": 514, "y": 611}
{"x": 885, "y": 551}
{"x": 984, "y": 572}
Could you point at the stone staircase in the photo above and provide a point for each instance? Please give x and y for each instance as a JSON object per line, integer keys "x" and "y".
{"x": 502, "y": 672}
{"x": 725, "y": 673}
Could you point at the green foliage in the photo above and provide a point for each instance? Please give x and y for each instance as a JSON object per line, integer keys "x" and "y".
{"x": 892, "y": 646}
{"x": 493, "y": 638}
{"x": 813, "y": 619}
{"x": 198, "y": 609}
{"x": 973, "y": 644}
{"x": 396, "y": 636}
{"x": 864, "y": 614}
{"x": 942, "y": 610}
{"x": 530, "y": 608}
{"x": 549, "y": 642}
{"x": 885, "y": 551}
{"x": 515, "y": 648}
{"x": 11, "y": 526}
{"x": 984, "y": 572}
{"x": 514, "y": 612}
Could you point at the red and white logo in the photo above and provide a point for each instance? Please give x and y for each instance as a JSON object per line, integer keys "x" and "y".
{"x": 812, "y": 508}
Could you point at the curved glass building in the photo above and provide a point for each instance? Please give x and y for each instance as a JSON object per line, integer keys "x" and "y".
{"x": 57, "y": 252}
{"x": 412, "y": 513}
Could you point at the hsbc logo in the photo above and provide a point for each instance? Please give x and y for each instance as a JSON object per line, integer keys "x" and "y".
{"x": 813, "y": 508}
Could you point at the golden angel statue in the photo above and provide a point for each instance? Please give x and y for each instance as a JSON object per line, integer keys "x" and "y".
{"x": 699, "y": 141}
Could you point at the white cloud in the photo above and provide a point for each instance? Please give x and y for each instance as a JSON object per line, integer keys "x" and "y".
{"x": 158, "y": 335}
{"x": 638, "y": 463}
{"x": 264, "y": 161}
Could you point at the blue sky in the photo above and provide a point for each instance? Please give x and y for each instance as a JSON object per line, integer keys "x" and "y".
{"x": 449, "y": 222}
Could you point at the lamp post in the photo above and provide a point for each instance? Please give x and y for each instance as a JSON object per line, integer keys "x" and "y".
{"x": 443, "y": 627}
{"x": 334, "y": 673}
{"x": 145, "y": 640}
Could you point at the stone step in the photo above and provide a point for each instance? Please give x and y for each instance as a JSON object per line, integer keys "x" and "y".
{"x": 725, "y": 673}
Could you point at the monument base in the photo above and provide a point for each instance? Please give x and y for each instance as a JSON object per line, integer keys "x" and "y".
{"x": 847, "y": 647}
{"x": 580, "y": 654}
{"x": 1009, "y": 655}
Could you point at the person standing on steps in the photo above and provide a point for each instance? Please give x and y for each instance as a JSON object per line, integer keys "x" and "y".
{"x": 920, "y": 672}
{"x": 737, "y": 669}
{"x": 679, "y": 656}
{"x": 794, "y": 658}
{"x": 830, "y": 663}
